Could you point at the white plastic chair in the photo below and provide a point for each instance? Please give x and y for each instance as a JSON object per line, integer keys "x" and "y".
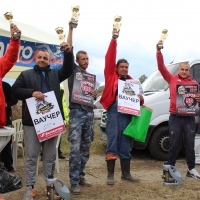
{"x": 5, "y": 134}
{"x": 18, "y": 138}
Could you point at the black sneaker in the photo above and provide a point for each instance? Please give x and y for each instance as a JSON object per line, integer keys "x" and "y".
{"x": 75, "y": 189}
{"x": 61, "y": 156}
{"x": 83, "y": 182}
{"x": 193, "y": 173}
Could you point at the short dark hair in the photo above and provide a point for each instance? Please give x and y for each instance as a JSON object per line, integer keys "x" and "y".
{"x": 122, "y": 60}
{"x": 79, "y": 52}
{"x": 184, "y": 63}
{"x": 44, "y": 50}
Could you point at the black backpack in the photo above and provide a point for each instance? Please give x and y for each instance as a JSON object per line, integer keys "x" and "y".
{"x": 9, "y": 181}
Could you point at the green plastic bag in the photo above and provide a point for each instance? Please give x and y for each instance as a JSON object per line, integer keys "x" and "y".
{"x": 138, "y": 127}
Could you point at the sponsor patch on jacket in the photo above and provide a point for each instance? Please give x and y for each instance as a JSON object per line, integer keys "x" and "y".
{"x": 79, "y": 76}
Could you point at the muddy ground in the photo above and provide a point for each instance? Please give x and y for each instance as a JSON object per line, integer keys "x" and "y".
{"x": 143, "y": 166}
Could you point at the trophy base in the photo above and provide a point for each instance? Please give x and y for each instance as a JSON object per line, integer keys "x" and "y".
{"x": 16, "y": 36}
{"x": 73, "y": 24}
{"x": 62, "y": 48}
{"x": 115, "y": 36}
{"x": 160, "y": 46}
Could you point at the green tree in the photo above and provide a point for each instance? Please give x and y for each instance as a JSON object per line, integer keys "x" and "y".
{"x": 143, "y": 78}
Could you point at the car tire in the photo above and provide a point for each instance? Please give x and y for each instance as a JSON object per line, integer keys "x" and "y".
{"x": 159, "y": 143}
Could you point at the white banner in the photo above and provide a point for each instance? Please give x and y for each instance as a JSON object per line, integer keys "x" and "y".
{"x": 128, "y": 101}
{"x": 46, "y": 116}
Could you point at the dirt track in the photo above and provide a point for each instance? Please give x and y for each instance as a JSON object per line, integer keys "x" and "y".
{"x": 143, "y": 166}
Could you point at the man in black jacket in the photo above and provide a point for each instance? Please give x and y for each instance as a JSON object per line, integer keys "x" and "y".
{"x": 6, "y": 153}
{"x": 34, "y": 83}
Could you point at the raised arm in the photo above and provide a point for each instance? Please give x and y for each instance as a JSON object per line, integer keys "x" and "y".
{"x": 11, "y": 55}
{"x": 69, "y": 37}
{"x": 68, "y": 64}
{"x": 161, "y": 66}
{"x": 110, "y": 58}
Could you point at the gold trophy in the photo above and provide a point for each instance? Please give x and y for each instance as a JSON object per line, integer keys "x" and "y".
{"x": 9, "y": 16}
{"x": 117, "y": 25}
{"x": 61, "y": 36}
{"x": 75, "y": 15}
{"x": 163, "y": 37}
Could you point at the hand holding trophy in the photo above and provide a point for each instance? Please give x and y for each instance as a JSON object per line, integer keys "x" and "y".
{"x": 163, "y": 38}
{"x": 61, "y": 36}
{"x": 75, "y": 15}
{"x": 116, "y": 26}
{"x": 9, "y": 16}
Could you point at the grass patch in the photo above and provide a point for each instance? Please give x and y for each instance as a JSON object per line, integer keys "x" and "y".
{"x": 98, "y": 146}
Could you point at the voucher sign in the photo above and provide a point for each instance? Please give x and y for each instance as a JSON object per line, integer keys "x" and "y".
{"x": 84, "y": 83}
{"x": 128, "y": 101}
{"x": 186, "y": 103}
{"x": 46, "y": 116}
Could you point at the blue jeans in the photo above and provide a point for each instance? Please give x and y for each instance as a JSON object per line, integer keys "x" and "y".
{"x": 80, "y": 135}
{"x": 177, "y": 124}
{"x": 118, "y": 143}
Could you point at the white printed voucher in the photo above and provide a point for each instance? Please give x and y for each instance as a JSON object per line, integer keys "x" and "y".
{"x": 128, "y": 101}
{"x": 46, "y": 116}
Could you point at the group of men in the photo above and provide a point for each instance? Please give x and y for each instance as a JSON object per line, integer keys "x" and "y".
{"x": 35, "y": 83}
{"x": 41, "y": 79}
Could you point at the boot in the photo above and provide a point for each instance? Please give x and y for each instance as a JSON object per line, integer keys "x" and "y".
{"x": 75, "y": 189}
{"x": 110, "y": 168}
{"x": 125, "y": 167}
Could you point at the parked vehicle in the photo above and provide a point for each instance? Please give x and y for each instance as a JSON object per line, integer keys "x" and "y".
{"x": 98, "y": 110}
{"x": 156, "y": 96}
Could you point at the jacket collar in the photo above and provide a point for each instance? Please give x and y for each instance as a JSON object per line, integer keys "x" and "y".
{"x": 36, "y": 67}
{"x": 189, "y": 78}
{"x": 128, "y": 76}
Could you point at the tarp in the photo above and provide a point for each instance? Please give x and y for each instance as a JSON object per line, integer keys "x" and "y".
{"x": 29, "y": 33}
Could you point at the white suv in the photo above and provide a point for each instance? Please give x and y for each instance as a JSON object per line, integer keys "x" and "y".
{"x": 98, "y": 110}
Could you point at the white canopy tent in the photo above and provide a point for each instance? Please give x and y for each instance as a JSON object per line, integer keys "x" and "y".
{"x": 31, "y": 34}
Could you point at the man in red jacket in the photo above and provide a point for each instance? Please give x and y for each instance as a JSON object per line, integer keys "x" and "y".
{"x": 118, "y": 143}
{"x": 178, "y": 123}
{"x": 6, "y": 63}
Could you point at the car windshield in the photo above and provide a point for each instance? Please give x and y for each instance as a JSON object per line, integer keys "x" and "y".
{"x": 156, "y": 83}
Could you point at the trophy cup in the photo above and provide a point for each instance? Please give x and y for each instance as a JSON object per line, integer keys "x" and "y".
{"x": 116, "y": 26}
{"x": 163, "y": 37}
{"x": 61, "y": 36}
{"x": 75, "y": 15}
{"x": 9, "y": 16}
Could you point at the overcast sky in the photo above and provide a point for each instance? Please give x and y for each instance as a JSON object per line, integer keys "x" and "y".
{"x": 142, "y": 22}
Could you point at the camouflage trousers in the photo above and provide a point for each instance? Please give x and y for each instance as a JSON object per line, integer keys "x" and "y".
{"x": 80, "y": 135}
